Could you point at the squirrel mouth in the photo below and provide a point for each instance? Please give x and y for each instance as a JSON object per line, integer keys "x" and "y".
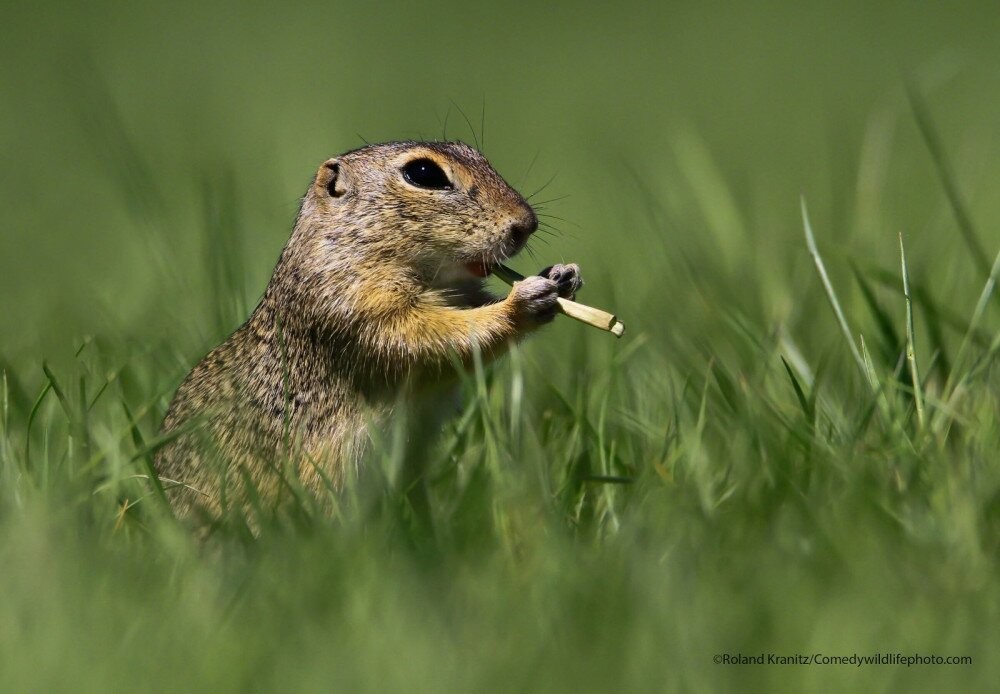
{"x": 478, "y": 268}
{"x": 458, "y": 274}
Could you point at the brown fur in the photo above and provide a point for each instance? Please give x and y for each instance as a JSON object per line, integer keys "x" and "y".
{"x": 370, "y": 293}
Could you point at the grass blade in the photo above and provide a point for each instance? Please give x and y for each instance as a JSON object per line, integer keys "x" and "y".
{"x": 943, "y": 316}
{"x": 146, "y": 455}
{"x": 911, "y": 349}
{"x": 31, "y": 420}
{"x": 890, "y": 340}
{"x": 830, "y": 293}
{"x": 808, "y": 405}
{"x": 977, "y": 314}
{"x": 933, "y": 141}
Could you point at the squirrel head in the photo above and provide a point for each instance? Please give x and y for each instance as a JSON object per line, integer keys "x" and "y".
{"x": 427, "y": 206}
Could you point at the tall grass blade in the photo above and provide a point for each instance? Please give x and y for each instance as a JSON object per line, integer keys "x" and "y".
{"x": 890, "y": 340}
{"x": 831, "y": 295}
{"x": 46, "y": 389}
{"x": 808, "y": 405}
{"x": 911, "y": 349}
{"x": 977, "y": 314}
{"x": 146, "y": 456}
{"x": 942, "y": 315}
{"x": 933, "y": 141}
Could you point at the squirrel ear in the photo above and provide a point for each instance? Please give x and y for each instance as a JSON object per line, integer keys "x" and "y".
{"x": 330, "y": 177}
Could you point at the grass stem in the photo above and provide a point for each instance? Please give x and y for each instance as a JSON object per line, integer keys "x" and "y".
{"x": 831, "y": 295}
{"x": 911, "y": 349}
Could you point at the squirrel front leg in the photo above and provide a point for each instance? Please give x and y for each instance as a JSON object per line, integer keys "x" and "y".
{"x": 428, "y": 332}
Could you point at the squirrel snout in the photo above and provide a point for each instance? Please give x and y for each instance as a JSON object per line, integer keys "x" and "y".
{"x": 523, "y": 226}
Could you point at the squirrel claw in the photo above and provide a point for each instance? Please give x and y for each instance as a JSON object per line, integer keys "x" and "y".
{"x": 567, "y": 278}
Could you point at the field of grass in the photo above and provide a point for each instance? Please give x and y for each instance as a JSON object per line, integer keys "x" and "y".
{"x": 748, "y": 471}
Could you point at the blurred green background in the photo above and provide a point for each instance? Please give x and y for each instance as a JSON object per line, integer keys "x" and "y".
{"x": 154, "y": 155}
{"x": 120, "y": 120}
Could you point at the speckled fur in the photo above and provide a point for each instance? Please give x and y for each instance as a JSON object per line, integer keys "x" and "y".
{"x": 369, "y": 294}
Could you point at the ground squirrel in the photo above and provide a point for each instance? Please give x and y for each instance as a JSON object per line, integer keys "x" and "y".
{"x": 379, "y": 285}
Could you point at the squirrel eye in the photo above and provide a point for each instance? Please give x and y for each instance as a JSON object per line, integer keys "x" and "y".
{"x": 424, "y": 173}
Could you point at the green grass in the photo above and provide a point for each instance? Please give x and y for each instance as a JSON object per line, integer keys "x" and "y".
{"x": 746, "y": 471}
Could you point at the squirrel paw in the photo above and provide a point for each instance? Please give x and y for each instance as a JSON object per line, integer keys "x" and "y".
{"x": 534, "y": 300}
{"x": 566, "y": 277}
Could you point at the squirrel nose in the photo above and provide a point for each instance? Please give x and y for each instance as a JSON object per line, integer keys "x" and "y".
{"x": 523, "y": 226}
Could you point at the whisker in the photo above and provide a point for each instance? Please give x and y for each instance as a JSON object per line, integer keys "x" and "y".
{"x": 444, "y": 129}
{"x": 552, "y": 216}
{"x": 545, "y": 202}
{"x": 531, "y": 165}
{"x": 544, "y": 186}
{"x": 472, "y": 129}
{"x": 482, "y": 125}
